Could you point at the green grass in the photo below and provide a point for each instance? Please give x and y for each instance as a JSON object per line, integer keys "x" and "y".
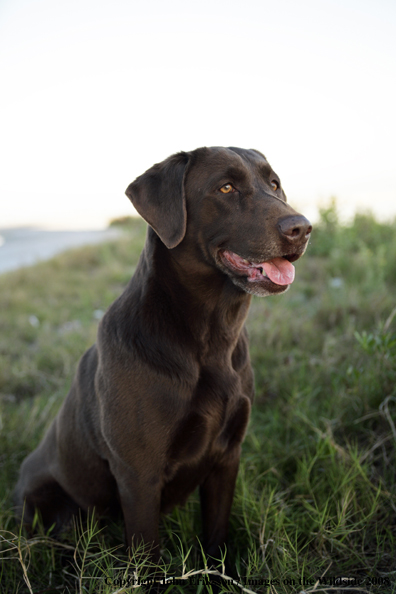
{"x": 316, "y": 492}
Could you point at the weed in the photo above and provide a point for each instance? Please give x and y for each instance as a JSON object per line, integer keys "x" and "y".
{"x": 316, "y": 494}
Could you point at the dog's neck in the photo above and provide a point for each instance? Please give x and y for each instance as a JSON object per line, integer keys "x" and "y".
{"x": 207, "y": 301}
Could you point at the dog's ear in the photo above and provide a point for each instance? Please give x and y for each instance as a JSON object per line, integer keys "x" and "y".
{"x": 158, "y": 196}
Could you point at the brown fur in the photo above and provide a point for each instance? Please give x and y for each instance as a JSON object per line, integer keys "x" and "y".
{"x": 160, "y": 405}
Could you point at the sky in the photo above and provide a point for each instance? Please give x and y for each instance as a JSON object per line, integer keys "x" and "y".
{"x": 94, "y": 92}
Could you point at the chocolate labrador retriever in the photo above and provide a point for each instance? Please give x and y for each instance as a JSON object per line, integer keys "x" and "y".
{"x": 161, "y": 403}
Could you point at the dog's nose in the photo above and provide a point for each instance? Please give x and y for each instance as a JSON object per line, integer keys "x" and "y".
{"x": 295, "y": 228}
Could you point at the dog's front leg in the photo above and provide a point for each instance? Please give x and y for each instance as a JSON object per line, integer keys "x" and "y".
{"x": 140, "y": 502}
{"x": 216, "y": 495}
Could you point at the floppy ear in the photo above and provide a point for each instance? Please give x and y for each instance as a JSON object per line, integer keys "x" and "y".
{"x": 158, "y": 196}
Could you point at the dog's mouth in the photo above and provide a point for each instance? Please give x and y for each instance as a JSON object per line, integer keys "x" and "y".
{"x": 277, "y": 271}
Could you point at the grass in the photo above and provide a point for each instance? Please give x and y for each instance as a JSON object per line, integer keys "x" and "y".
{"x": 316, "y": 493}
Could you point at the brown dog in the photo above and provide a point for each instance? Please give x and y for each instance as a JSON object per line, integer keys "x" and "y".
{"x": 160, "y": 404}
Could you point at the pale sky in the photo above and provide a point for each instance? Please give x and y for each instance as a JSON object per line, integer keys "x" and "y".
{"x": 93, "y": 93}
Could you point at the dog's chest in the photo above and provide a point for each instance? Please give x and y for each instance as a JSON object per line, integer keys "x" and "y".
{"x": 215, "y": 421}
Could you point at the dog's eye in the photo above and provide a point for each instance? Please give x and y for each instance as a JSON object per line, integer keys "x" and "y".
{"x": 274, "y": 185}
{"x": 227, "y": 189}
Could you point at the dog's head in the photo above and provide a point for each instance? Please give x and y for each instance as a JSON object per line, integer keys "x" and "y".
{"x": 227, "y": 205}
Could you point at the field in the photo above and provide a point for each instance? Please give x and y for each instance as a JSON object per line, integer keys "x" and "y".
{"x": 316, "y": 493}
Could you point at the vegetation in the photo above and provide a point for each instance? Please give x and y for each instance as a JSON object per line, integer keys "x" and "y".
{"x": 316, "y": 494}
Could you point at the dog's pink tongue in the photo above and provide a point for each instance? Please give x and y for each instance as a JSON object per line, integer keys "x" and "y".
{"x": 280, "y": 271}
